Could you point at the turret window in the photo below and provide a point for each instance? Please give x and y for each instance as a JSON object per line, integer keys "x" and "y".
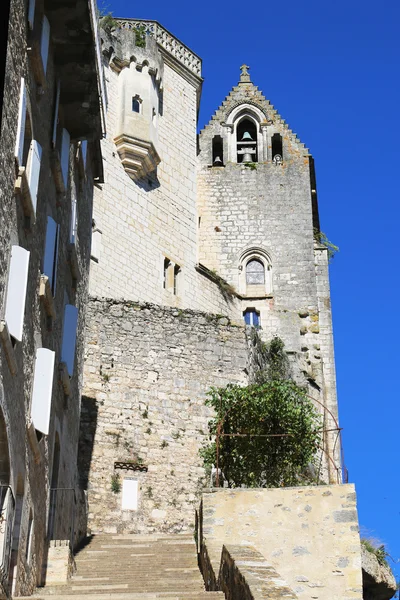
{"x": 137, "y": 104}
{"x": 246, "y": 141}
{"x": 255, "y": 272}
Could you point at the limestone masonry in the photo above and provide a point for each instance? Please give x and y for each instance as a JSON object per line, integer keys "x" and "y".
{"x": 142, "y": 264}
{"x": 227, "y": 225}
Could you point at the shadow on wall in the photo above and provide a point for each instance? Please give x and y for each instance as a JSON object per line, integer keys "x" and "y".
{"x": 87, "y": 431}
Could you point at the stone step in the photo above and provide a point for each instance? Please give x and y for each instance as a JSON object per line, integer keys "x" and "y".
{"x": 135, "y": 596}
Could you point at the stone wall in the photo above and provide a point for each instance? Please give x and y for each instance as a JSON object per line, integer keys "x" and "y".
{"x": 30, "y": 453}
{"x": 144, "y": 221}
{"x": 308, "y": 534}
{"x": 147, "y": 371}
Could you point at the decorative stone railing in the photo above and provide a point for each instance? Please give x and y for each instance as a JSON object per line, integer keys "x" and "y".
{"x": 169, "y": 42}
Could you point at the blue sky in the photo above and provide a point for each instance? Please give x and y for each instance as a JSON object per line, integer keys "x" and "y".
{"x": 331, "y": 69}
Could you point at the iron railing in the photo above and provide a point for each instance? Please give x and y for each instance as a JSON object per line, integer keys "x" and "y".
{"x": 7, "y": 513}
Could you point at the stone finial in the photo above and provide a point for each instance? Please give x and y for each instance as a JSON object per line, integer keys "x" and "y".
{"x": 244, "y": 76}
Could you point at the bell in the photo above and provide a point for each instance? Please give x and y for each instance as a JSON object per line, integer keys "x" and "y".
{"x": 247, "y": 157}
{"x": 246, "y": 137}
{"x": 217, "y": 162}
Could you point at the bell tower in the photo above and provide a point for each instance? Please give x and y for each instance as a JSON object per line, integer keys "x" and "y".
{"x": 259, "y": 231}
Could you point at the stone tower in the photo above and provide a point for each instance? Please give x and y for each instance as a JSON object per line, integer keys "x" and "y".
{"x": 192, "y": 241}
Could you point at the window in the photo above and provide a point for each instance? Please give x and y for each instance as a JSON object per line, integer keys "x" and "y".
{"x": 51, "y": 253}
{"x": 217, "y": 151}
{"x": 177, "y": 278}
{"x": 69, "y": 337}
{"x": 42, "y": 389}
{"x": 64, "y": 155}
{"x": 277, "y": 150}
{"x": 167, "y": 265}
{"x": 74, "y": 219}
{"x": 255, "y": 272}
{"x": 252, "y": 317}
{"x": 95, "y": 249}
{"x": 44, "y": 42}
{"x": 246, "y": 141}
{"x": 28, "y": 155}
{"x": 136, "y": 104}
{"x": 16, "y": 291}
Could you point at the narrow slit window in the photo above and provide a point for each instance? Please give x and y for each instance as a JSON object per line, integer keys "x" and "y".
{"x": 167, "y": 264}
{"x": 277, "y": 148}
{"x": 136, "y": 104}
{"x": 255, "y": 272}
{"x": 177, "y": 278}
{"x": 217, "y": 151}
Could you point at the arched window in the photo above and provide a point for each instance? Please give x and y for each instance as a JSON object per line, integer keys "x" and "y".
{"x": 136, "y": 104}
{"x": 255, "y": 272}
{"x": 217, "y": 151}
{"x": 277, "y": 149}
{"x": 246, "y": 141}
{"x": 252, "y": 317}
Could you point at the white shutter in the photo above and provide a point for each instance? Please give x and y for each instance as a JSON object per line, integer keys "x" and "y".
{"x": 56, "y": 106}
{"x": 16, "y": 291}
{"x": 44, "y": 42}
{"x": 31, "y": 13}
{"x": 42, "y": 389}
{"x": 69, "y": 337}
{"x": 74, "y": 222}
{"x": 33, "y": 168}
{"x": 50, "y": 249}
{"x": 65, "y": 142}
{"x": 84, "y": 152}
{"x": 19, "y": 143}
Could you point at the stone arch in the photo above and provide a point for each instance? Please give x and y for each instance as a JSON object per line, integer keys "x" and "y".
{"x": 254, "y": 115}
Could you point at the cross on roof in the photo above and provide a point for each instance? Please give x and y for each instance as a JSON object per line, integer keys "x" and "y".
{"x": 244, "y": 76}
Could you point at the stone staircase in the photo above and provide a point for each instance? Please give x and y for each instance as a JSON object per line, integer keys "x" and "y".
{"x": 134, "y": 567}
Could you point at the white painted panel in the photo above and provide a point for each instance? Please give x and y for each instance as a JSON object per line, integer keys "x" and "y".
{"x": 84, "y": 151}
{"x": 65, "y": 142}
{"x": 50, "y": 249}
{"x": 33, "y": 168}
{"x": 16, "y": 291}
{"x": 31, "y": 13}
{"x": 69, "y": 337}
{"x": 129, "y": 494}
{"x": 44, "y": 42}
{"x": 42, "y": 389}
{"x": 56, "y": 107}
{"x": 74, "y": 222}
{"x": 96, "y": 244}
{"x": 19, "y": 143}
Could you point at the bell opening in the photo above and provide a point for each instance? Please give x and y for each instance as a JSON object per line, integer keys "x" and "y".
{"x": 246, "y": 140}
{"x": 217, "y": 151}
